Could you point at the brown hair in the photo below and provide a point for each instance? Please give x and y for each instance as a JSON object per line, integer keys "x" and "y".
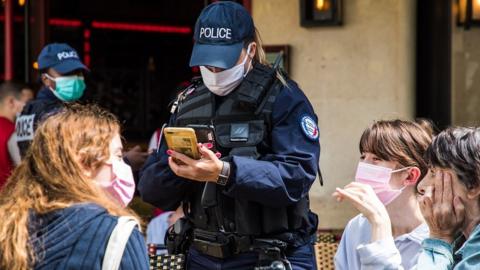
{"x": 10, "y": 89}
{"x": 52, "y": 176}
{"x": 402, "y": 141}
{"x": 260, "y": 55}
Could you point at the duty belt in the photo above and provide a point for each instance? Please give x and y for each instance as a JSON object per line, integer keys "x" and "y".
{"x": 224, "y": 245}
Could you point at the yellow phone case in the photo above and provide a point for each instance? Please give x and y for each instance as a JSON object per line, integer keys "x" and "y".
{"x": 182, "y": 140}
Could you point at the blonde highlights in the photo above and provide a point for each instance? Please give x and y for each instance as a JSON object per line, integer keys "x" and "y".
{"x": 52, "y": 176}
{"x": 261, "y": 56}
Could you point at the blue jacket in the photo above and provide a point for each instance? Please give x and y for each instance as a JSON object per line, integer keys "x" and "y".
{"x": 76, "y": 238}
{"x": 461, "y": 254}
{"x": 281, "y": 177}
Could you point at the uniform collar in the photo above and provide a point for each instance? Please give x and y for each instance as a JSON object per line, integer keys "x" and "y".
{"x": 46, "y": 93}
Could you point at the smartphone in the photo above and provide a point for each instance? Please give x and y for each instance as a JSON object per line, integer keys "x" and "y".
{"x": 182, "y": 140}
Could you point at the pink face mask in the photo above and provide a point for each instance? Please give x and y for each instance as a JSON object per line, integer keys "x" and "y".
{"x": 378, "y": 178}
{"x": 122, "y": 186}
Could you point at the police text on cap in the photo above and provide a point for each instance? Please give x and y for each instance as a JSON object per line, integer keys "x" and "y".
{"x": 65, "y": 55}
{"x": 210, "y": 32}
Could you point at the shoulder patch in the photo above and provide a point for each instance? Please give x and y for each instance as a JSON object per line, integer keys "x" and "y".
{"x": 309, "y": 127}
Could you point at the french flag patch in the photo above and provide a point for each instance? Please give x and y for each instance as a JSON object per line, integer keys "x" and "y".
{"x": 309, "y": 127}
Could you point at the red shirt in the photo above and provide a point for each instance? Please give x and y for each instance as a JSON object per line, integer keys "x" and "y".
{"x": 7, "y": 128}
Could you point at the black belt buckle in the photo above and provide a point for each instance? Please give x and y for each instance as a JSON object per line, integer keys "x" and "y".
{"x": 213, "y": 249}
{"x": 212, "y": 243}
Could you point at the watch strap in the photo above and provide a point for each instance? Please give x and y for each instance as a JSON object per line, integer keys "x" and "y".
{"x": 224, "y": 174}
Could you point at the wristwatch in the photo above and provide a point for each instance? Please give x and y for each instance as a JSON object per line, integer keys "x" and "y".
{"x": 224, "y": 174}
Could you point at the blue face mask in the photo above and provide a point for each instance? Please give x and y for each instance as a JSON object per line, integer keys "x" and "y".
{"x": 68, "y": 88}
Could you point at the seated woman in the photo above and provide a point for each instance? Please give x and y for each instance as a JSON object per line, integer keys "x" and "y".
{"x": 62, "y": 203}
{"x": 450, "y": 201}
{"x": 389, "y": 231}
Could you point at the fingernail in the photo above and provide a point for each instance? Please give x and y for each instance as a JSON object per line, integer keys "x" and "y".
{"x": 209, "y": 145}
{"x": 218, "y": 154}
{"x": 169, "y": 152}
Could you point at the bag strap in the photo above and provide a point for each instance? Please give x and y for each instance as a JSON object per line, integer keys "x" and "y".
{"x": 117, "y": 242}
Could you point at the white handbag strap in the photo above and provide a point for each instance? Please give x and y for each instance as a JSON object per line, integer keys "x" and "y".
{"x": 117, "y": 242}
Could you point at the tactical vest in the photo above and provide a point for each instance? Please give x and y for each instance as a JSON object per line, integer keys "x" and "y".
{"x": 242, "y": 120}
{"x": 242, "y": 123}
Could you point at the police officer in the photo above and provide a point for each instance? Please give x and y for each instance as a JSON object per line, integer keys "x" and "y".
{"x": 61, "y": 72}
{"x": 251, "y": 207}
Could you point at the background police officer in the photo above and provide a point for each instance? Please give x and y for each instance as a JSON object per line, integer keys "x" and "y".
{"x": 62, "y": 78}
{"x": 251, "y": 206}
{"x": 62, "y": 74}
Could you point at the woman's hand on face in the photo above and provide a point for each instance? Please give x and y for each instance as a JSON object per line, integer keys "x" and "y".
{"x": 206, "y": 169}
{"x": 443, "y": 211}
{"x": 364, "y": 199}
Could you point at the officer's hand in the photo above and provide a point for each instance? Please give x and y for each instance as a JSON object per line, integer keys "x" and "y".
{"x": 205, "y": 169}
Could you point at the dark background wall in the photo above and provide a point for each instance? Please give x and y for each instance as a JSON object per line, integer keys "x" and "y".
{"x": 433, "y": 55}
{"x": 134, "y": 73}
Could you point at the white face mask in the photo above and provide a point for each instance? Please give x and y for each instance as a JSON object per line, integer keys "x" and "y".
{"x": 224, "y": 82}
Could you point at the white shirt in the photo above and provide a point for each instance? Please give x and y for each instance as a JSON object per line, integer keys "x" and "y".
{"x": 153, "y": 144}
{"x": 356, "y": 251}
{"x": 13, "y": 150}
{"x": 157, "y": 228}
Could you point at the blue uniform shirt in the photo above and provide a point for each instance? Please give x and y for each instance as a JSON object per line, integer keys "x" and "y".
{"x": 281, "y": 177}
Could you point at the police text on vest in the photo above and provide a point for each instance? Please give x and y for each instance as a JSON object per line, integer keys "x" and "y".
{"x": 24, "y": 127}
